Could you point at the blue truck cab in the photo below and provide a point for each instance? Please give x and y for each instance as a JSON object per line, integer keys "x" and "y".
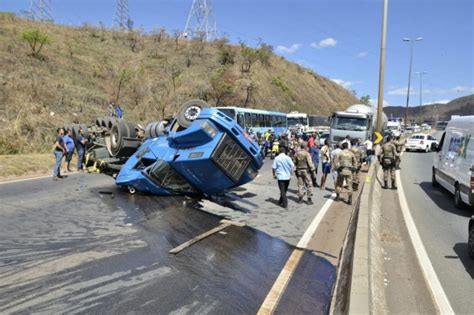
{"x": 209, "y": 156}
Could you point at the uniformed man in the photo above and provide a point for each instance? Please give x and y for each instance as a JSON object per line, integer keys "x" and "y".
{"x": 355, "y": 149}
{"x": 388, "y": 155}
{"x": 304, "y": 169}
{"x": 345, "y": 163}
{"x": 399, "y": 143}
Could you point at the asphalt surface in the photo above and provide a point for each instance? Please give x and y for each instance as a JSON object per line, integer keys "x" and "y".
{"x": 83, "y": 245}
{"x": 442, "y": 228}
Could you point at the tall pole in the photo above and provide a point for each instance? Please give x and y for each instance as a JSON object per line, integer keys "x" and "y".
{"x": 421, "y": 94}
{"x": 409, "y": 75}
{"x": 379, "y": 125}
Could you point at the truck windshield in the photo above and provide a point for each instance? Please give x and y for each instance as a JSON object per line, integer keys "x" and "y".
{"x": 228, "y": 111}
{"x": 293, "y": 121}
{"x": 165, "y": 176}
{"x": 350, "y": 123}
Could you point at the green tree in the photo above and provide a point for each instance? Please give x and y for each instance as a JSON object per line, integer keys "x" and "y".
{"x": 36, "y": 40}
{"x": 222, "y": 84}
{"x": 249, "y": 57}
{"x": 365, "y": 99}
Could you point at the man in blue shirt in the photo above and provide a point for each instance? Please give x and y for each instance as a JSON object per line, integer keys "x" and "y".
{"x": 314, "y": 150}
{"x": 69, "y": 143}
{"x": 282, "y": 167}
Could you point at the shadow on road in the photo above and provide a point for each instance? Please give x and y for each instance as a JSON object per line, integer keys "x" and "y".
{"x": 444, "y": 199}
{"x": 461, "y": 250}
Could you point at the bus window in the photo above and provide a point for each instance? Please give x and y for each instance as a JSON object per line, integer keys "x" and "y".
{"x": 240, "y": 120}
{"x": 254, "y": 120}
{"x": 261, "y": 120}
{"x": 268, "y": 121}
{"x": 248, "y": 121}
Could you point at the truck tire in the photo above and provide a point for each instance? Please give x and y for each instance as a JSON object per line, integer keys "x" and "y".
{"x": 189, "y": 111}
{"x": 118, "y": 132}
{"x": 98, "y": 122}
{"x": 434, "y": 183}
{"x": 470, "y": 240}
{"x": 85, "y": 131}
{"x": 155, "y": 129}
{"x": 458, "y": 203}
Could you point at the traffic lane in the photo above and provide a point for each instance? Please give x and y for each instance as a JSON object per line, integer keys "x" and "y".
{"x": 256, "y": 204}
{"x": 442, "y": 228}
{"x": 99, "y": 249}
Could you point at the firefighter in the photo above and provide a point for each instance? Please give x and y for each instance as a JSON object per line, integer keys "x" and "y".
{"x": 345, "y": 163}
{"x": 304, "y": 169}
{"x": 355, "y": 149}
{"x": 399, "y": 143}
{"x": 388, "y": 156}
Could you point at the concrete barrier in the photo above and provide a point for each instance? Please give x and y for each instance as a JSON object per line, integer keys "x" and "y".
{"x": 359, "y": 286}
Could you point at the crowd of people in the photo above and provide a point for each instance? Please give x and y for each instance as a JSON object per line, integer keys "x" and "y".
{"x": 301, "y": 154}
{"x": 64, "y": 147}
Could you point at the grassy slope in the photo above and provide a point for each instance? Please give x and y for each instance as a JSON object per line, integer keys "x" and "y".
{"x": 79, "y": 73}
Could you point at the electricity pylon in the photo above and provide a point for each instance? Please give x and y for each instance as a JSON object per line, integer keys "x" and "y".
{"x": 200, "y": 21}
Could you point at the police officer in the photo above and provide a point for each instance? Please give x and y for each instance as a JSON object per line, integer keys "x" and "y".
{"x": 345, "y": 163}
{"x": 388, "y": 155}
{"x": 304, "y": 169}
{"x": 399, "y": 143}
{"x": 355, "y": 149}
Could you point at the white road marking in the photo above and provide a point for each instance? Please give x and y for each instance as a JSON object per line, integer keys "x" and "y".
{"x": 437, "y": 291}
{"x": 276, "y": 292}
{"x": 31, "y": 178}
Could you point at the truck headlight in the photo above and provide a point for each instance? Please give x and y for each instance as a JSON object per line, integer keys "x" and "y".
{"x": 211, "y": 130}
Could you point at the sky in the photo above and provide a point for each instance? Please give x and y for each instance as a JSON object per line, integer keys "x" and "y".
{"x": 339, "y": 39}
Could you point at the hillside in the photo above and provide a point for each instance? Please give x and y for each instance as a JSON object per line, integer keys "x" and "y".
{"x": 459, "y": 106}
{"x": 82, "y": 69}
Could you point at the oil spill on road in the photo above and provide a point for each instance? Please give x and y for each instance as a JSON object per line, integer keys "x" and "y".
{"x": 87, "y": 252}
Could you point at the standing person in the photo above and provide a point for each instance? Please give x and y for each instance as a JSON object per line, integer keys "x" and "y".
{"x": 59, "y": 152}
{"x": 347, "y": 140}
{"x": 282, "y": 168}
{"x": 355, "y": 149}
{"x": 69, "y": 143}
{"x": 345, "y": 163}
{"x": 314, "y": 151}
{"x": 81, "y": 149}
{"x": 325, "y": 163}
{"x": 118, "y": 111}
{"x": 369, "y": 148}
{"x": 388, "y": 156}
{"x": 311, "y": 141}
{"x": 334, "y": 153}
{"x": 399, "y": 143}
{"x": 304, "y": 169}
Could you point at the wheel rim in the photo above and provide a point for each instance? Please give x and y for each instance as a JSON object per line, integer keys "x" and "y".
{"x": 192, "y": 112}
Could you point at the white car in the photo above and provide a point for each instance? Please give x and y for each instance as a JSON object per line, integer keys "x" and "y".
{"x": 421, "y": 142}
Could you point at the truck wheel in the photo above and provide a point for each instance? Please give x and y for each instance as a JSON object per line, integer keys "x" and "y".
{"x": 189, "y": 111}
{"x": 434, "y": 183}
{"x": 457, "y": 197}
{"x": 470, "y": 241}
{"x": 119, "y": 131}
{"x": 85, "y": 130}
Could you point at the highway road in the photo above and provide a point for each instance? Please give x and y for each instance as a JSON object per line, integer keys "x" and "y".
{"x": 84, "y": 245}
{"x": 442, "y": 228}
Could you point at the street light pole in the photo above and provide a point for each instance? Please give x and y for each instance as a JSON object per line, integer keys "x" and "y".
{"x": 421, "y": 94}
{"x": 409, "y": 75}
{"x": 379, "y": 125}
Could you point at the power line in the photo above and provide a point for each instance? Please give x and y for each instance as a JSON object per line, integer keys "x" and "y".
{"x": 122, "y": 17}
{"x": 201, "y": 21}
{"x": 40, "y": 10}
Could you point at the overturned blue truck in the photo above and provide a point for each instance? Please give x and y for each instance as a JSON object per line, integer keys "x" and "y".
{"x": 201, "y": 151}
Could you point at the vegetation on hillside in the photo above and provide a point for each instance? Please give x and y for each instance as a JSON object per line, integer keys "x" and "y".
{"x": 52, "y": 74}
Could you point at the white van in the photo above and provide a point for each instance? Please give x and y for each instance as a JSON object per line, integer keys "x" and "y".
{"x": 453, "y": 165}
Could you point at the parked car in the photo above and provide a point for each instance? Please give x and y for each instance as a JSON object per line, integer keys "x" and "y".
{"x": 453, "y": 165}
{"x": 421, "y": 142}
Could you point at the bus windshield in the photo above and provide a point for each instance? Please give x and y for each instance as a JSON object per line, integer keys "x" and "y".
{"x": 293, "y": 121}
{"x": 350, "y": 123}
